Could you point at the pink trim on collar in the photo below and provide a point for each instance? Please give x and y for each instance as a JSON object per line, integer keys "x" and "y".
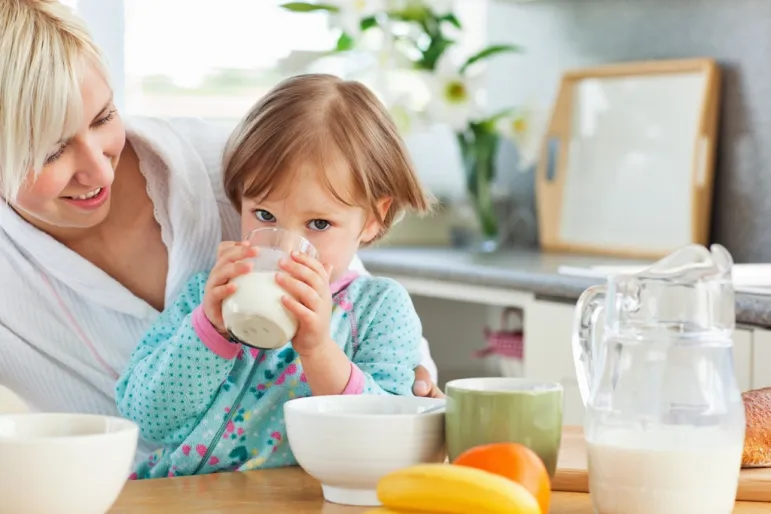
{"x": 343, "y": 282}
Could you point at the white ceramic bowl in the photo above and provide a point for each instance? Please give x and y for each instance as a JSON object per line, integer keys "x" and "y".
{"x": 11, "y": 403}
{"x": 348, "y": 442}
{"x": 63, "y": 463}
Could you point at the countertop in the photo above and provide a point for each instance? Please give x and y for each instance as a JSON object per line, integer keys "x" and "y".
{"x": 285, "y": 491}
{"x": 523, "y": 270}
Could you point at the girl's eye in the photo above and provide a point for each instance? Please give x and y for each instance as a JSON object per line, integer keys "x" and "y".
{"x": 319, "y": 225}
{"x": 264, "y": 216}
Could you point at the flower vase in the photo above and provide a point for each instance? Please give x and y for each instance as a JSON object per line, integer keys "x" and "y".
{"x": 478, "y": 148}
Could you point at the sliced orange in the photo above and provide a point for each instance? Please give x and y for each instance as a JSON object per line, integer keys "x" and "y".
{"x": 515, "y": 462}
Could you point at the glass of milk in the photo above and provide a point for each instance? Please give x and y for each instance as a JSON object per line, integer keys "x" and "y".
{"x": 254, "y": 314}
{"x": 664, "y": 421}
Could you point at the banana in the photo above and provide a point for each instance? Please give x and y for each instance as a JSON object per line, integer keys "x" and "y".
{"x": 383, "y": 510}
{"x": 449, "y": 489}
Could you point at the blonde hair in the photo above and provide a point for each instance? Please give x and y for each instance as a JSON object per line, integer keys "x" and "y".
{"x": 320, "y": 118}
{"x": 44, "y": 48}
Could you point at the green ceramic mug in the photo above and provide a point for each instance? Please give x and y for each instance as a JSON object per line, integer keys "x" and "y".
{"x": 493, "y": 410}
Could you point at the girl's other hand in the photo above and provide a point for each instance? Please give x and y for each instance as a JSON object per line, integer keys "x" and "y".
{"x": 309, "y": 299}
{"x": 424, "y": 385}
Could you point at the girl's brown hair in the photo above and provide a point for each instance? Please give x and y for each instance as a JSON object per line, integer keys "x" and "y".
{"x": 320, "y": 119}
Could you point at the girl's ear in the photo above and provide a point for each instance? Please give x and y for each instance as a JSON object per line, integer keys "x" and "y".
{"x": 373, "y": 227}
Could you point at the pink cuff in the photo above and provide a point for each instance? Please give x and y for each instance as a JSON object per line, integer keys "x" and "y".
{"x": 355, "y": 382}
{"x": 212, "y": 339}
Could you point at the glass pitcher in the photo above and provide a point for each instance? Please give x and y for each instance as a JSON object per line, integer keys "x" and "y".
{"x": 664, "y": 420}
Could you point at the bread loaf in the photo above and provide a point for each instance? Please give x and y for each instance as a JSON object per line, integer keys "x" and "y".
{"x": 757, "y": 439}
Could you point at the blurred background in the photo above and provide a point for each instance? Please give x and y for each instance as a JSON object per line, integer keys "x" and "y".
{"x": 213, "y": 59}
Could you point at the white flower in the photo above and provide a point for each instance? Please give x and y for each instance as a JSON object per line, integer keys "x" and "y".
{"x": 405, "y": 118}
{"x": 455, "y": 99}
{"x": 526, "y": 128}
{"x": 351, "y": 12}
{"x": 386, "y": 53}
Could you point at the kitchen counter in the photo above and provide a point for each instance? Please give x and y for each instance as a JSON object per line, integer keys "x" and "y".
{"x": 282, "y": 490}
{"x": 521, "y": 270}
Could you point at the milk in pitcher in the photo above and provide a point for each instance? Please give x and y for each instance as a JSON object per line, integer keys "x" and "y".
{"x": 673, "y": 470}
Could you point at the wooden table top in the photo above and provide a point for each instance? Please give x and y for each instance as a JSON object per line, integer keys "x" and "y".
{"x": 281, "y": 491}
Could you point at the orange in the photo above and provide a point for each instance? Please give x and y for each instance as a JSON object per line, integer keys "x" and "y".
{"x": 515, "y": 462}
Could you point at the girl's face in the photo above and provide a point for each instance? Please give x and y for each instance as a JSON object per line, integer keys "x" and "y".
{"x": 305, "y": 205}
{"x": 73, "y": 189}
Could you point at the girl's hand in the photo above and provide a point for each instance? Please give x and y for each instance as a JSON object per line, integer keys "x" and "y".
{"x": 230, "y": 264}
{"x": 309, "y": 299}
{"x": 424, "y": 385}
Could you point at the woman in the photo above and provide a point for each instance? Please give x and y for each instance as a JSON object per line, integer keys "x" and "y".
{"x": 101, "y": 224}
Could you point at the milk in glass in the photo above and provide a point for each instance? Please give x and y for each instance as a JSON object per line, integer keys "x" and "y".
{"x": 254, "y": 314}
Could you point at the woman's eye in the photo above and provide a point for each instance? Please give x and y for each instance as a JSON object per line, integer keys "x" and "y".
{"x": 106, "y": 119}
{"x": 320, "y": 225}
{"x": 264, "y": 216}
{"x": 55, "y": 156}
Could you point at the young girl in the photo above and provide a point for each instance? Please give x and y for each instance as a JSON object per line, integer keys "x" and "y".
{"x": 321, "y": 157}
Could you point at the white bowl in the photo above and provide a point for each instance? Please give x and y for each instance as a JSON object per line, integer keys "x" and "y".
{"x": 63, "y": 463}
{"x": 11, "y": 403}
{"x": 348, "y": 442}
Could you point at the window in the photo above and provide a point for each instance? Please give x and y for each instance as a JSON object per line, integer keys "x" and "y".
{"x": 105, "y": 21}
{"x": 212, "y": 58}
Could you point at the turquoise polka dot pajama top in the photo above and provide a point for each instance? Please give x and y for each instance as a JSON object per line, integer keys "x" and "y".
{"x": 213, "y": 405}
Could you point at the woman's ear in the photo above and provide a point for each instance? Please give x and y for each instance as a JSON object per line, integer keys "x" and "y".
{"x": 373, "y": 227}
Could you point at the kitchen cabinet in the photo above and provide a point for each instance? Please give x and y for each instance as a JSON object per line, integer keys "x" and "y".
{"x": 548, "y": 330}
{"x": 761, "y": 358}
{"x": 743, "y": 349}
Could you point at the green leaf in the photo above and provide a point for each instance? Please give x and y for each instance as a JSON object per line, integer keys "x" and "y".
{"x": 433, "y": 53}
{"x": 344, "y": 43}
{"x": 487, "y": 126}
{"x": 308, "y": 7}
{"x": 502, "y": 114}
{"x": 451, "y": 19}
{"x": 368, "y": 23}
{"x": 414, "y": 12}
{"x": 487, "y": 53}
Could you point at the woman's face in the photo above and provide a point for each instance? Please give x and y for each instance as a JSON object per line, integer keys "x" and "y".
{"x": 73, "y": 189}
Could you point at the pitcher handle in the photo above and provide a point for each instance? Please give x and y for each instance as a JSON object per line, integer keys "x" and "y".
{"x": 588, "y": 308}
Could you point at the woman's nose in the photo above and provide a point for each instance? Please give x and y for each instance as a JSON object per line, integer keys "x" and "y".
{"x": 94, "y": 168}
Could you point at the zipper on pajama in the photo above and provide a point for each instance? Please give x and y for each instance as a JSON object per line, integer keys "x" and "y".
{"x": 233, "y": 408}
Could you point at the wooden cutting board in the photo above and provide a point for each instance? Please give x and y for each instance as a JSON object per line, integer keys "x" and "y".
{"x": 572, "y": 475}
